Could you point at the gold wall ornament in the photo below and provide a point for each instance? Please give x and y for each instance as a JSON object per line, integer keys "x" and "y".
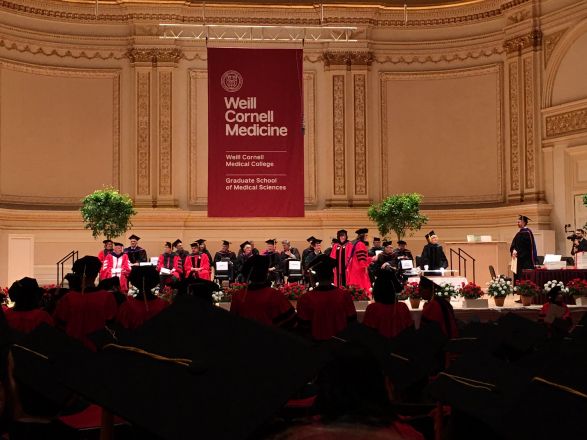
{"x": 550, "y": 42}
{"x": 154, "y": 55}
{"x": 165, "y": 133}
{"x": 566, "y": 123}
{"x": 360, "y": 134}
{"x": 439, "y": 58}
{"x": 519, "y": 43}
{"x": 529, "y": 119}
{"x": 349, "y": 58}
{"x": 514, "y": 127}
{"x": 338, "y": 129}
{"x": 143, "y": 133}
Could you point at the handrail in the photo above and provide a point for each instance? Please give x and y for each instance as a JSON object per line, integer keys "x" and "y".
{"x": 460, "y": 254}
{"x": 73, "y": 256}
{"x": 473, "y": 260}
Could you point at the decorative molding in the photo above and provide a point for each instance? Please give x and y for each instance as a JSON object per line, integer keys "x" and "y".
{"x": 566, "y": 123}
{"x": 436, "y": 58}
{"x": 385, "y": 77}
{"x": 360, "y": 134}
{"x": 116, "y": 131}
{"x": 514, "y": 127}
{"x": 338, "y": 104}
{"x": 310, "y": 189}
{"x": 519, "y": 16}
{"x": 165, "y": 133}
{"x": 154, "y": 55}
{"x": 70, "y": 52}
{"x": 143, "y": 133}
{"x": 550, "y": 42}
{"x": 348, "y": 58}
{"x": 529, "y": 118}
{"x": 195, "y": 197}
{"x": 521, "y": 42}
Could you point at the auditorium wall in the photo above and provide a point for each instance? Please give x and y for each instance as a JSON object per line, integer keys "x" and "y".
{"x": 481, "y": 107}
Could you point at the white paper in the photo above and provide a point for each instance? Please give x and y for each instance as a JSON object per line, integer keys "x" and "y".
{"x": 295, "y": 265}
{"x": 222, "y": 265}
{"x": 165, "y": 271}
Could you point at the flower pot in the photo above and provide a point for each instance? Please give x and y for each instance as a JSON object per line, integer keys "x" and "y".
{"x": 540, "y": 299}
{"x": 581, "y": 300}
{"x": 569, "y": 300}
{"x": 361, "y": 305}
{"x": 294, "y": 303}
{"x": 224, "y": 305}
{"x": 526, "y": 300}
{"x": 499, "y": 300}
{"x": 415, "y": 303}
{"x": 475, "y": 303}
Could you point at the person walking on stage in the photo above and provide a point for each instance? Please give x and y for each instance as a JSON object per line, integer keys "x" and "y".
{"x": 523, "y": 248}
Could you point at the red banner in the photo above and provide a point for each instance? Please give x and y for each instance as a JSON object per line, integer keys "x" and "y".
{"x": 255, "y": 133}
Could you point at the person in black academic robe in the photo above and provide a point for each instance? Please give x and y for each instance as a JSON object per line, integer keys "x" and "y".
{"x": 275, "y": 275}
{"x": 225, "y": 254}
{"x": 523, "y": 247}
{"x": 341, "y": 252}
{"x": 433, "y": 255}
{"x": 136, "y": 254}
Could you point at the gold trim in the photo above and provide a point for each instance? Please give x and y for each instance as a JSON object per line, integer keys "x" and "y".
{"x": 143, "y": 93}
{"x": 338, "y": 134}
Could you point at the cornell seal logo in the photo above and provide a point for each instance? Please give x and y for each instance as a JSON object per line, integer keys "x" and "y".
{"x": 231, "y": 81}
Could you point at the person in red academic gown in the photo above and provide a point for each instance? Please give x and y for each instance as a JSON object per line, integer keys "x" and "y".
{"x": 358, "y": 262}
{"x": 438, "y": 309}
{"x": 169, "y": 266}
{"x": 259, "y": 301}
{"x": 386, "y": 315}
{"x": 85, "y": 309}
{"x": 117, "y": 264}
{"x": 196, "y": 264}
{"x": 26, "y": 315}
{"x": 135, "y": 311}
{"x": 341, "y": 250}
{"x": 326, "y": 310}
{"x": 108, "y": 248}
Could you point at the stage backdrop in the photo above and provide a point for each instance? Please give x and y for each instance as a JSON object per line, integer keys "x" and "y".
{"x": 255, "y": 133}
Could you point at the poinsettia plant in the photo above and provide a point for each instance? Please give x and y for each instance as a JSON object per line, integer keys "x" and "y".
{"x": 554, "y": 283}
{"x": 471, "y": 291}
{"x": 166, "y": 293}
{"x": 499, "y": 287}
{"x": 526, "y": 288}
{"x": 448, "y": 290}
{"x": 357, "y": 293}
{"x": 577, "y": 287}
{"x": 293, "y": 291}
{"x": 412, "y": 290}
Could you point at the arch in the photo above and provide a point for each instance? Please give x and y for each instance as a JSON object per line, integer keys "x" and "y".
{"x": 559, "y": 53}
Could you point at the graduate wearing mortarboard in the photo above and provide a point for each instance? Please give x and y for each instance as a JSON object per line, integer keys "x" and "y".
{"x": 169, "y": 266}
{"x": 274, "y": 261}
{"x": 225, "y": 254}
{"x": 108, "y": 248}
{"x": 433, "y": 255}
{"x": 340, "y": 251}
{"x": 117, "y": 264}
{"x": 197, "y": 264}
{"x": 246, "y": 252}
{"x": 523, "y": 247}
{"x": 180, "y": 251}
{"x": 358, "y": 262}
{"x": 136, "y": 254}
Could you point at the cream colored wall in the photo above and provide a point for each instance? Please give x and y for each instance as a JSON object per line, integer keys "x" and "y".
{"x": 486, "y": 97}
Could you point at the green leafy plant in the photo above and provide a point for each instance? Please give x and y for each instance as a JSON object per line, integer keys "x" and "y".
{"x": 107, "y": 212}
{"x": 399, "y": 213}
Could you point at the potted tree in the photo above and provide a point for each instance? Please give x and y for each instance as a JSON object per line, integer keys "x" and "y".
{"x": 527, "y": 290}
{"x": 398, "y": 213}
{"x": 107, "y": 212}
{"x": 499, "y": 288}
{"x": 472, "y": 294}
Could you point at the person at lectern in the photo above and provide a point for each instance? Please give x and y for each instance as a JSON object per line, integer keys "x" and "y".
{"x": 433, "y": 257}
{"x": 523, "y": 247}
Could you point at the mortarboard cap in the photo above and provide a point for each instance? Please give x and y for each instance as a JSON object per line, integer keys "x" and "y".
{"x": 221, "y": 365}
{"x": 270, "y": 241}
{"x": 107, "y": 241}
{"x": 256, "y": 268}
{"x": 322, "y": 263}
{"x": 316, "y": 241}
{"x": 335, "y": 240}
{"x": 376, "y": 239}
{"x": 134, "y": 237}
{"x": 244, "y": 243}
{"x": 25, "y": 290}
{"x": 386, "y": 243}
{"x": 429, "y": 235}
{"x": 88, "y": 265}
{"x": 146, "y": 276}
{"x": 201, "y": 288}
{"x": 361, "y": 231}
{"x": 176, "y": 242}
{"x": 341, "y": 232}
{"x": 401, "y": 242}
{"x": 168, "y": 244}
{"x": 523, "y": 218}
{"x": 225, "y": 242}
{"x": 118, "y": 244}
{"x": 200, "y": 241}
{"x": 310, "y": 239}
{"x": 194, "y": 244}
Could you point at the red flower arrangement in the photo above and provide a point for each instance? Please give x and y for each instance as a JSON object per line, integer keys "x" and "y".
{"x": 166, "y": 293}
{"x": 412, "y": 290}
{"x": 292, "y": 291}
{"x": 471, "y": 291}
{"x": 357, "y": 294}
{"x": 527, "y": 288}
{"x": 577, "y": 287}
